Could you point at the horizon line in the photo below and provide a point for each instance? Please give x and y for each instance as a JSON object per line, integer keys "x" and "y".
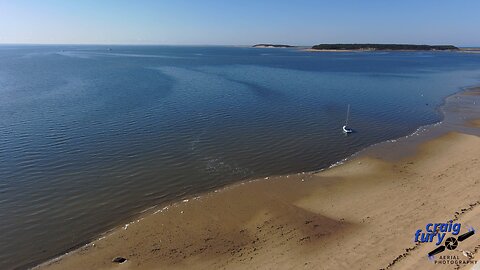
{"x": 213, "y": 45}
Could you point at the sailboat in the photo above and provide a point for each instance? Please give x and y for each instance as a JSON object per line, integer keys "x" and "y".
{"x": 345, "y": 128}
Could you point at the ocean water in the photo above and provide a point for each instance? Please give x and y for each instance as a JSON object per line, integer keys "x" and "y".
{"x": 92, "y": 135}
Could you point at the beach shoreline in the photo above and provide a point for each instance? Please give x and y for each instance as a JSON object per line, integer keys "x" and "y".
{"x": 288, "y": 204}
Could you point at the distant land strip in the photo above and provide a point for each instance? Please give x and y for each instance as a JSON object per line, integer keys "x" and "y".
{"x": 383, "y": 47}
{"x": 272, "y": 46}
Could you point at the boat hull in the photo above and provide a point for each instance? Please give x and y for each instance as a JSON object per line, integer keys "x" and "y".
{"x": 346, "y": 129}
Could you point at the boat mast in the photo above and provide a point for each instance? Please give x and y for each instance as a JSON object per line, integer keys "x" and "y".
{"x": 348, "y": 113}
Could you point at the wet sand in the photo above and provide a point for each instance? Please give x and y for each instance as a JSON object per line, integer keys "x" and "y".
{"x": 475, "y": 123}
{"x": 359, "y": 215}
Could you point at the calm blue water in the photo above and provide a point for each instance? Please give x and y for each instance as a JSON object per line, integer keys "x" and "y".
{"x": 91, "y": 136}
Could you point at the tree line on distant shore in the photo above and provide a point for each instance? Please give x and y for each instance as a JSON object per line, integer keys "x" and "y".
{"x": 367, "y": 47}
{"x": 404, "y": 47}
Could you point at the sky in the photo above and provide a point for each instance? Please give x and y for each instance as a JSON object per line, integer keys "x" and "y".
{"x": 240, "y": 22}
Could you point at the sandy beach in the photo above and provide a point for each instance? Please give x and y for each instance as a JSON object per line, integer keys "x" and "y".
{"x": 359, "y": 215}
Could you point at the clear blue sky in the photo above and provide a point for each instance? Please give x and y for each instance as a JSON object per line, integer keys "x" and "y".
{"x": 240, "y": 22}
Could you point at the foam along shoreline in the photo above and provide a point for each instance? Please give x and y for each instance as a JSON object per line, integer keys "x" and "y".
{"x": 359, "y": 215}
